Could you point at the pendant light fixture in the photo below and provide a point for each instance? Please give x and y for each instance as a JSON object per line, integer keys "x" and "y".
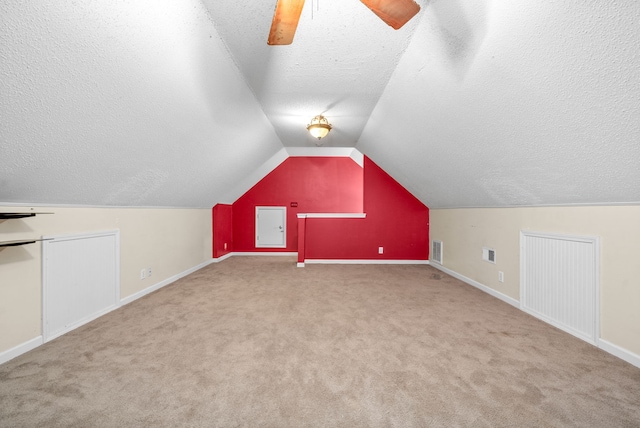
{"x": 319, "y": 127}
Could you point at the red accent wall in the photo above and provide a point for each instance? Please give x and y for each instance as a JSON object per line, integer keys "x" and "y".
{"x": 396, "y": 220}
{"x": 222, "y": 229}
{"x": 316, "y": 184}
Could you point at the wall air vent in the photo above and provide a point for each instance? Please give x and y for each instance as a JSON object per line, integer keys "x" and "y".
{"x": 488, "y": 255}
{"x": 436, "y": 251}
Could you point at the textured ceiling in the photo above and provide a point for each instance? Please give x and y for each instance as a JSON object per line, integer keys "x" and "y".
{"x": 122, "y": 102}
{"x": 338, "y": 65}
{"x": 180, "y": 102}
{"x": 508, "y": 104}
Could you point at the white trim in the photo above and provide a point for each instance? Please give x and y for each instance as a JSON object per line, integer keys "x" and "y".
{"x": 566, "y": 329}
{"x": 332, "y": 215}
{"x": 605, "y": 345}
{"x": 221, "y": 258}
{"x": 619, "y": 352}
{"x": 141, "y": 207}
{"x": 488, "y": 290}
{"x": 22, "y": 348}
{"x": 365, "y": 262}
{"x": 336, "y": 152}
{"x": 73, "y": 236}
{"x": 39, "y": 340}
{"x": 159, "y": 285}
{"x": 348, "y": 152}
{"x": 78, "y": 324}
{"x": 357, "y": 157}
{"x": 558, "y": 205}
{"x": 265, "y": 253}
{"x": 230, "y": 199}
{"x": 579, "y": 238}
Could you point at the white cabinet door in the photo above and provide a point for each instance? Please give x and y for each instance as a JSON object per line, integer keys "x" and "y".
{"x": 81, "y": 280}
{"x": 271, "y": 227}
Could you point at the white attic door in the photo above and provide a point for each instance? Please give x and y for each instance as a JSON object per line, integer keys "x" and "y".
{"x": 271, "y": 230}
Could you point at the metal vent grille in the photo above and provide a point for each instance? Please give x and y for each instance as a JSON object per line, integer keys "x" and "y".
{"x": 489, "y": 255}
{"x": 436, "y": 251}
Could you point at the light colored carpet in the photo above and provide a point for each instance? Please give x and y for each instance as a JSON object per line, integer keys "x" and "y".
{"x": 256, "y": 341}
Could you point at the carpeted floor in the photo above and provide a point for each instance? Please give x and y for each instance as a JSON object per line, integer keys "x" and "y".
{"x": 256, "y": 341}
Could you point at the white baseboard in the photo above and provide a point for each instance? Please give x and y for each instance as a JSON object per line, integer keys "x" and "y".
{"x": 266, "y": 253}
{"x": 609, "y": 347}
{"x": 328, "y": 261}
{"x": 37, "y": 341}
{"x": 364, "y": 262}
{"x": 49, "y": 337}
{"x": 221, "y": 258}
{"x": 164, "y": 283}
{"x": 619, "y": 352}
{"x": 488, "y": 290}
{"x": 606, "y": 346}
{"x": 16, "y": 351}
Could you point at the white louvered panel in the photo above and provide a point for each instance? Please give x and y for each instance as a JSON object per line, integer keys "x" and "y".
{"x": 80, "y": 280}
{"x": 559, "y": 281}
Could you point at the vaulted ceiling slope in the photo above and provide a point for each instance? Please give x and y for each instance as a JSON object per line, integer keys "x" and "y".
{"x": 502, "y": 103}
{"x": 127, "y": 103}
{"x": 178, "y": 102}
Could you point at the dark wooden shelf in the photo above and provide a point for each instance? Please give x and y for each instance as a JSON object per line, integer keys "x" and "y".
{"x": 18, "y": 242}
{"x": 13, "y": 215}
{"x": 6, "y": 216}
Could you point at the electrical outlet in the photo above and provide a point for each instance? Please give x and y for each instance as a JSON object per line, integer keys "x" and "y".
{"x": 500, "y": 276}
{"x": 143, "y": 274}
{"x": 149, "y": 272}
{"x": 380, "y": 250}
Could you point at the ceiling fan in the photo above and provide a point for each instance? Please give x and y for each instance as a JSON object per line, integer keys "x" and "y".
{"x": 395, "y": 13}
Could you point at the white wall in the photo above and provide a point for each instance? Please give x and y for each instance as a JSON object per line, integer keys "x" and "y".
{"x": 465, "y": 231}
{"x": 170, "y": 241}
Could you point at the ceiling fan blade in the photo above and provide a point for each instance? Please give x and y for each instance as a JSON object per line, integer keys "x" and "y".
{"x": 285, "y": 22}
{"x": 396, "y": 13}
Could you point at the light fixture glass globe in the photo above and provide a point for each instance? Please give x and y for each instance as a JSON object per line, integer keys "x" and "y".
{"x": 319, "y": 127}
